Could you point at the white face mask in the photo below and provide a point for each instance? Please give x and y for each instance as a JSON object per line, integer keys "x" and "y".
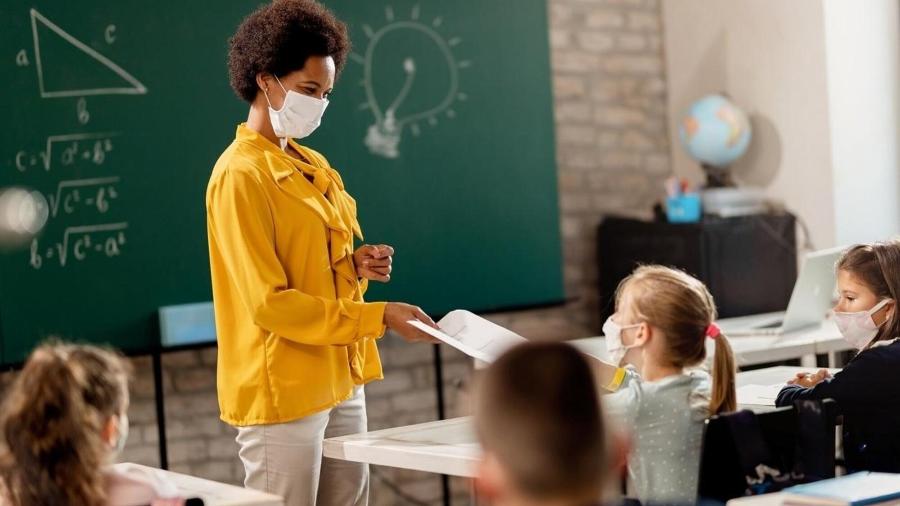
{"x": 615, "y": 348}
{"x": 122, "y": 435}
{"x": 299, "y": 115}
{"x": 859, "y": 328}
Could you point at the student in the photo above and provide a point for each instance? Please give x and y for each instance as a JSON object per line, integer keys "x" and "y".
{"x": 63, "y": 422}
{"x": 297, "y": 341}
{"x": 538, "y": 419}
{"x": 662, "y": 322}
{"x": 867, "y": 391}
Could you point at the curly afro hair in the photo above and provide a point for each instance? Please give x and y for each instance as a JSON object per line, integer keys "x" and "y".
{"x": 279, "y": 37}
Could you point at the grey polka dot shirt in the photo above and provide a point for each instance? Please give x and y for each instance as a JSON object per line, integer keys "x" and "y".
{"x": 665, "y": 419}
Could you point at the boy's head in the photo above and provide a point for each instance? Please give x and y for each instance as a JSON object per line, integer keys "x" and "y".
{"x": 538, "y": 418}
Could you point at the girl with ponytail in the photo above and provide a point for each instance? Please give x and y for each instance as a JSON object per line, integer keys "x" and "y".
{"x": 62, "y": 423}
{"x": 663, "y": 321}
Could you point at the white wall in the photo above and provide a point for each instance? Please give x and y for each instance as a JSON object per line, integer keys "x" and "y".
{"x": 803, "y": 96}
{"x": 863, "y": 60}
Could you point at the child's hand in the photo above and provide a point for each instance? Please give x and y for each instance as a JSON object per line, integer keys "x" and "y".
{"x": 809, "y": 380}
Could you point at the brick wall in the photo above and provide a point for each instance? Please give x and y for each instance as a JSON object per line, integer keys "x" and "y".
{"x": 611, "y": 141}
{"x": 612, "y": 146}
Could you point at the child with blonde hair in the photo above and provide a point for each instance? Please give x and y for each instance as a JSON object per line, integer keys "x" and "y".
{"x": 656, "y": 339}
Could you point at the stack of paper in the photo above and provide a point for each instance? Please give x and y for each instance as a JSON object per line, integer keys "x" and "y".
{"x": 758, "y": 395}
{"x": 472, "y": 335}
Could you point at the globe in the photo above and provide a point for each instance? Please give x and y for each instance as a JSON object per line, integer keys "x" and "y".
{"x": 715, "y": 132}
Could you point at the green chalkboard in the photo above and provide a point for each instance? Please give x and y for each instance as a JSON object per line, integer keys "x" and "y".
{"x": 463, "y": 183}
{"x": 441, "y": 126}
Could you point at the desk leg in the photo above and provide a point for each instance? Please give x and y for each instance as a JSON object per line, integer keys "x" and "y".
{"x": 160, "y": 409}
{"x": 832, "y": 360}
{"x": 439, "y": 386}
{"x": 808, "y": 361}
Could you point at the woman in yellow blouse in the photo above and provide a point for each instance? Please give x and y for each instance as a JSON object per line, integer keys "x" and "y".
{"x": 296, "y": 340}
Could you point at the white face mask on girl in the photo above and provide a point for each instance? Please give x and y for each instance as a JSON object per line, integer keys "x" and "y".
{"x": 859, "y": 328}
{"x": 299, "y": 115}
{"x": 121, "y": 435}
{"x": 615, "y": 348}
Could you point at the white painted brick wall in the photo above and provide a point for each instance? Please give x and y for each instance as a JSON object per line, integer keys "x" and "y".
{"x": 612, "y": 142}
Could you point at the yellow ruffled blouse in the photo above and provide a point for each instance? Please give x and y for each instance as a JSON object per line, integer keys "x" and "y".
{"x": 294, "y": 333}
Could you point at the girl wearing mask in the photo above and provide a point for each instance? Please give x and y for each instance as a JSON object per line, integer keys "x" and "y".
{"x": 297, "y": 342}
{"x": 663, "y": 320}
{"x": 63, "y": 422}
{"x": 867, "y": 390}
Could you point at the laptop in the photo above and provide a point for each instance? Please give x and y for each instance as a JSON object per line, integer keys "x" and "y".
{"x": 810, "y": 301}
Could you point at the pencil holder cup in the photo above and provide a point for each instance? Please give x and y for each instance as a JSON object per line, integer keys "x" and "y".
{"x": 684, "y": 208}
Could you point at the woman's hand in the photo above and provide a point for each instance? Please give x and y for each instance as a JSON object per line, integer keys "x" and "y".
{"x": 374, "y": 262}
{"x": 396, "y": 316}
{"x": 809, "y": 380}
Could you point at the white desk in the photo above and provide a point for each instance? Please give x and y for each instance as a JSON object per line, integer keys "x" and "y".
{"x": 451, "y": 447}
{"x": 446, "y": 447}
{"x": 776, "y": 499}
{"x": 749, "y": 350}
{"x": 824, "y": 339}
{"x": 831, "y": 342}
{"x": 772, "y": 375}
{"x": 753, "y": 350}
{"x": 767, "y": 376}
{"x": 214, "y": 493}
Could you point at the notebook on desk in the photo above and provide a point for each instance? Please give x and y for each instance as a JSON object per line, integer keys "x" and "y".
{"x": 810, "y": 301}
{"x": 758, "y": 395}
{"x": 857, "y": 489}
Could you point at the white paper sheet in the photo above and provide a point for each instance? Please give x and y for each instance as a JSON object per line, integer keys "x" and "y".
{"x": 759, "y": 395}
{"x": 472, "y": 335}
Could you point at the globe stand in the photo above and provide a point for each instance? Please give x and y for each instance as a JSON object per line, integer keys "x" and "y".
{"x": 722, "y": 196}
{"x": 718, "y": 177}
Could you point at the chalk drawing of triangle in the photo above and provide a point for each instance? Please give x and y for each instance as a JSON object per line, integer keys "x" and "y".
{"x": 67, "y": 67}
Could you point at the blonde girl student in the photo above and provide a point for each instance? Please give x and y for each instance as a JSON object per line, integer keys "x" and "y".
{"x": 657, "y": 336}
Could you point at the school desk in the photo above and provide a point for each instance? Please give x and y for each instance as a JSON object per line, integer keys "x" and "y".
{"x": 760, "y": 349}
{"x": 450, "y": 446}
{"x": 213, "y": 493}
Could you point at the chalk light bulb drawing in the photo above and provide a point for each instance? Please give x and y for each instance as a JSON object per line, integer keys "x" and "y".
{"x": 384, "y": 135}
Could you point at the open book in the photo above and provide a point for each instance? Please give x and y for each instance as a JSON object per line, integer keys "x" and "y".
{"x": 472, "y": 335}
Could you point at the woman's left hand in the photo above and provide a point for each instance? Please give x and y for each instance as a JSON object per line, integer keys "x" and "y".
{"x": 374, "y": 262}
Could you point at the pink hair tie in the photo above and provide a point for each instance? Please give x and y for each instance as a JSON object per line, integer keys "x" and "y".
{"x": 713, "y": 331}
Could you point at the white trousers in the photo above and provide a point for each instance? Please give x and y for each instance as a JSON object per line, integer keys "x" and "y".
{"x": 286, "y": 458}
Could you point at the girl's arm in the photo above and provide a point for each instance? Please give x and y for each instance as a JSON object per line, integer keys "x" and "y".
{"x": 609, "y": 377}
{"x": 858, "y": 382}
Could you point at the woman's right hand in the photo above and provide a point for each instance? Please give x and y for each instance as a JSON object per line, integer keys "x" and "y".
{"x": 396, "y": 316}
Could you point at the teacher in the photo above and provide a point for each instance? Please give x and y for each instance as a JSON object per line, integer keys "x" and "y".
{"x": 296, "y": 340}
